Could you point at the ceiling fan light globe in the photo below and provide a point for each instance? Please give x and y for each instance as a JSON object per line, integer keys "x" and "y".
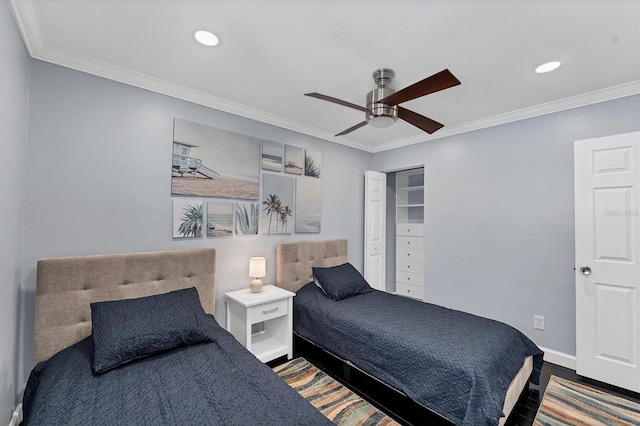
{"x": 381, "y": 121}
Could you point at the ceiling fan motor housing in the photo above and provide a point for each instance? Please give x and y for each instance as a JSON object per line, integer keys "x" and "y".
{"x": 379, "y": 114}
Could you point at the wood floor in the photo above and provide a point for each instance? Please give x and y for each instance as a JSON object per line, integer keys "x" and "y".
{"x": 403, "y": 410}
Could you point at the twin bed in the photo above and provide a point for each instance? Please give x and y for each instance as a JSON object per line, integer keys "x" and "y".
{"x": 467, "y": 369}
{"x": 103, "y": 361}
{"x": 180, "y": 368}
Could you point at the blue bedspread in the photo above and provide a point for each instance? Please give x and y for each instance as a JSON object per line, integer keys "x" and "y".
{"x": 218, "y": 383}
{"x": 454, "y": 363}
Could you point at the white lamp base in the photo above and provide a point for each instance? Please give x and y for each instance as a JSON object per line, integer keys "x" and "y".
{"x": 256, "y": 286}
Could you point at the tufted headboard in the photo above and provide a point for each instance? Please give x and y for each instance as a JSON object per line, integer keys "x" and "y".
{"x": 65, "y": 286}
{"x": 294, "y": 260}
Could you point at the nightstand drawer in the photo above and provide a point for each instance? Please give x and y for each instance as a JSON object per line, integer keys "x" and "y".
{"x": 267, "y": 311}
{"x": 410, "y": 291}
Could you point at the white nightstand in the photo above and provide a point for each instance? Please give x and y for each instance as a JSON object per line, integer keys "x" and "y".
{"x": 273, "y": 307}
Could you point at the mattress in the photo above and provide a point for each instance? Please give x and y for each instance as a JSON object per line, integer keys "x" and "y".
{"x": 212, "y": 383}
{"x": 454, "y": 363}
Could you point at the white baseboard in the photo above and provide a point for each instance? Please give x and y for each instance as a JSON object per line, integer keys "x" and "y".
{"x": 559, "y": 358}
{"x": 16, "y": 418}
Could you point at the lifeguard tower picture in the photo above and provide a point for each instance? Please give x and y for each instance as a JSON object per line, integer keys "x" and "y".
{"x": 211, "y": 162}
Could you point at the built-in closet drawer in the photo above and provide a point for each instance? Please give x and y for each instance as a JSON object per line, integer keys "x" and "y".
{"x": 410, "y": 266}
{"x": 410, "y": 229}
{"x": 410, "y": 278}
{"x": 416, "y": 243}
{"x": 409, "y": 290}
{"x": 409, "y": 254}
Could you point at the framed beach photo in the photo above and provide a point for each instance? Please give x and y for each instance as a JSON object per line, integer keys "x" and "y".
{"x": 219, "y": 219}
{"x": 187, "y": 218}
{"x": 308, "y": 205}
{"x": 277, "y": 204}
{"x": 210, "y": 162}
{"x": 272, "y": 155}
{"x": 293, "y": 159}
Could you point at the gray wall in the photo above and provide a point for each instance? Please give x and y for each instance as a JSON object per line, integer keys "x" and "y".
{"x": 14, "y": 95}
{"x": 499, "y": 216}
{"x": 99, "y": 181}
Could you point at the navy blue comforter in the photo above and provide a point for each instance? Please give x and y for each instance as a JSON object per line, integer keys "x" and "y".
{"x": 454, "y": 363}
{"x": 216, "y": 383}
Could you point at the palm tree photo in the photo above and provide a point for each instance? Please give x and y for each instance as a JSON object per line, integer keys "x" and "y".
{"x": 191, "y": 221}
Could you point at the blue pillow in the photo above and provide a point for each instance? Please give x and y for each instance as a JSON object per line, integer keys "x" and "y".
{"x": 340, "y": 282}
{"x": 125, "y": 330}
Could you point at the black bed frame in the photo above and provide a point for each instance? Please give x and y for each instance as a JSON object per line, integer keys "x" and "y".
{"x": 392, "y": 401}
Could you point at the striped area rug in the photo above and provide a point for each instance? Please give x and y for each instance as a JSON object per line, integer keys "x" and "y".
{"x": 334, "y": 400}
{"x": 570, "y": 403}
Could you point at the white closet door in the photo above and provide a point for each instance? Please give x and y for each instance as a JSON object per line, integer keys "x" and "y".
{"x": 375, "y": 218}
{"x": 607, "y": 195}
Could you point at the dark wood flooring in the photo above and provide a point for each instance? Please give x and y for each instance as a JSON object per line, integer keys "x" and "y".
{"x": 405, "y": 411}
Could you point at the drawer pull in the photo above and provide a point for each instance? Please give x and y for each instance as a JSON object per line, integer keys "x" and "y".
{"x": 408, "y": 254}
{"x": 270, "y": 311}
{"x": 408, "y": 266}
{"x": 408, "y": 278}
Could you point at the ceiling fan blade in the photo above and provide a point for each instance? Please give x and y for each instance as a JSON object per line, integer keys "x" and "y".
{"x": 439, "y": 81}
{"x": 420, "y": 121}
{"x": 335, "y": 101}
{"x": 351, "y": 129}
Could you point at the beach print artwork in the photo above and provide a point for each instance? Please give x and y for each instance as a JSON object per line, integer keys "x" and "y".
{"x": 308, "y": 205}
{"x": 293, "y": 159}
{"x": 312, "y": 163}
{"x": 247, "y": 218}
{"x": 271, "y": 156}
{"x": 187, "y": 218}
{"x": 210, "y": 162}
{"x": 277, "y": 204}
{"x": 219, "y": 219}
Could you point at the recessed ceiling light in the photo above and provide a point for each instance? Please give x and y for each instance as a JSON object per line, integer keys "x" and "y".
{"x": 549, "y": 66}
{"x": 207, "y": 38}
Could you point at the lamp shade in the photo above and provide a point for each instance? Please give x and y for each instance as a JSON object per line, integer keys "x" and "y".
{"x": 257, "y": 267}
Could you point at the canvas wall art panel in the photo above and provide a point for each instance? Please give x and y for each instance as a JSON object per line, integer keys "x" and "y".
{"x": 219, "y": 219}
{"x": 212, "y": 162}
{"x": 277, "y": 204}
{"x": 187, "y": 218}
{"x": 272, "y": 155}
{"x": 293, "y": 159}
{"x": 308, "y": 205}
{"x": 312, "y": 163}
{"x": 247, "y": 218}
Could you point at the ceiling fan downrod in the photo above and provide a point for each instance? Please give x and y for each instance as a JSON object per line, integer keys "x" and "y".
{"x": 379, "y": 114}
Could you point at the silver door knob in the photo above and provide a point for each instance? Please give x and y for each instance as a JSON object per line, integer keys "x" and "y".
{"x": 585, "y": 270}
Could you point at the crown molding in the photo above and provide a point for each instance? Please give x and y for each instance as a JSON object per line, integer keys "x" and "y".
{"x": 28, "y": 20}
{"x": 611, "y": 93}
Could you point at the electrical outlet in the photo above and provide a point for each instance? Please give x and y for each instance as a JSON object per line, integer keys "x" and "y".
{"x": 538, "y": 322}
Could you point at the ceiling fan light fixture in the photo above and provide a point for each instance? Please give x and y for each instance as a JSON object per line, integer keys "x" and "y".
{"x": 206, "y": 38}
{"x": 549, "y": 66}
{"x": 381, "y": 121}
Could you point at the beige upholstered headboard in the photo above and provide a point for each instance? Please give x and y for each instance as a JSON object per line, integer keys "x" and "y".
{"x": 65, "y": 286}
{"x": 295, "y": 260}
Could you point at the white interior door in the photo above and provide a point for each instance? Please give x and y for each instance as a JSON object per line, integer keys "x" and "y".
{"x": 375, "y": 221}
{"x": 607, "y": 193}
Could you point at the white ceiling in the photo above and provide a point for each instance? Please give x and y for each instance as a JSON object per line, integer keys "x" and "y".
{"x": 272, "y": 52}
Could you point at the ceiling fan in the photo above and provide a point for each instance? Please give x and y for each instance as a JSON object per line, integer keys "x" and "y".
{"x": 382, "y": 108}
